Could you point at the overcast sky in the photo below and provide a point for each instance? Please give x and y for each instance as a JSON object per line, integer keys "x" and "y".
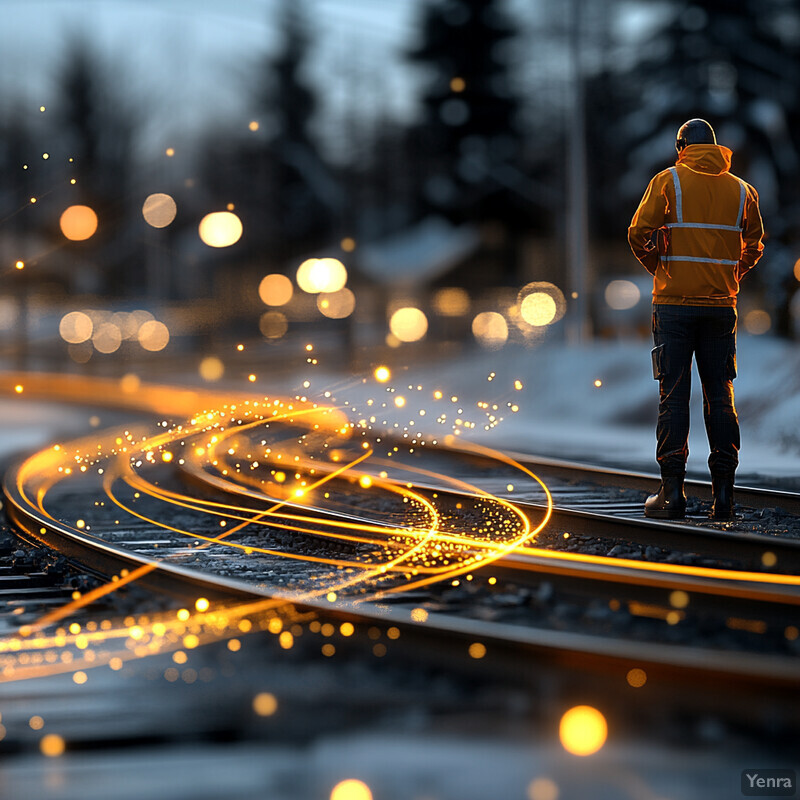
{"x": 186, "y": 59}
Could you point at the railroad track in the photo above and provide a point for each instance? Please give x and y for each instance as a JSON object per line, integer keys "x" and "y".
{"x": 752, "y": 497}
{"x": 509, "y": 644}
{"x": 759, "y": 591}
{"x": 380, "y": 543}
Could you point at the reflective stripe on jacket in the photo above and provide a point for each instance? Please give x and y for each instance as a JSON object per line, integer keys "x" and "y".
{"x": 698, "y": 229}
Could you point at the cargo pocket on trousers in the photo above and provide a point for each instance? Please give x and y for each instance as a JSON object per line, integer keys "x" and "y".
{"x": 657, "y": 355}
{"x": 730, "y": 367}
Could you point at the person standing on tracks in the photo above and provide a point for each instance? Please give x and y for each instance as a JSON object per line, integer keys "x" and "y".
{"x": 697, "y": 231}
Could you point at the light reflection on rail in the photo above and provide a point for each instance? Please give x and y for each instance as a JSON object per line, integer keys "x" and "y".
{"x": 277, "y": 465}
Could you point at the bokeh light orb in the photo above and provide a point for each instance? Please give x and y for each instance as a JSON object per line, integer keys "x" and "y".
{"x": 304, "y": 275}
{"x": 334, "y": 275}
{"x": 408, "y": 324}
{"x": 621, "y": 295}
{"x": 543, "y": 789}
{"x": 452, "y": 301}
{"x": 583, "y": 730}
{"x": 316, "y": 275}
{"x": 490, "y": 329}
{"x": 636, "y": 677}
{"x": 351, "y": 789}
{"x": 757, "y": 322}
{"x": 265, "y": 704}
{"x": 76, "y": 327}
{"x": 541, "y": 303}
{"x": 153, "y": 335}
{"x": 220, "y": 229}
{"x": 138, "y": 318}
{"x": 78, "y": 223}
{"x": 538, "y": 309}
{"x": 275, "y": 290}
{"x": 273, "y": 324}
{"x": 159, "y": 210}
{"x": 130, "y": 383}
{"x": 107, "y": 338}
{"x": 336, "y": 305}
{"x": 81, "y": 353}
{"x": 52, "y": 745}
{"x": 127, "y": 323}
{"x": 211, "y": 369}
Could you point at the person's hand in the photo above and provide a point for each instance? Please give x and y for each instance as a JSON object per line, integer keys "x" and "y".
{"x": 660, "y": 240}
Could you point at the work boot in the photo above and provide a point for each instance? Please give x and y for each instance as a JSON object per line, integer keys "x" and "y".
{"x": 722, "y": 489}
{"x": 670, "y": 502}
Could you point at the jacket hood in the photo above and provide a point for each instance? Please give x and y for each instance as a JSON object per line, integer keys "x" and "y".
{"x": 711, "y": 159}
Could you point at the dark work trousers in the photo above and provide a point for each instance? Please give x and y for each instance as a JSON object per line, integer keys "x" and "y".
{"x": 709, "y": 334}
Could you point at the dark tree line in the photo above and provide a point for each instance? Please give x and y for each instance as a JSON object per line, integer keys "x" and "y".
{"x": 77, "y": 151}
{"x": 475, "y": 152}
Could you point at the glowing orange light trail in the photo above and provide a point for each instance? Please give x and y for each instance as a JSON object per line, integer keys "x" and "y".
{"x": 228, "y": 511}
{"x": 380, "y": 570}
{"x": 442, "y": 536}
{"x": 280, "y": 504}
{"x": 215, "y": 442}
{"x": 58, "y": 614}
{"x": 499, "y": 550}
{"x": 664, "y": 568}
{"x": 110, "y": 587}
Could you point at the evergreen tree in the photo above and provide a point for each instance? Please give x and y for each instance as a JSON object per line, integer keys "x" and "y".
{"x": 17, "y": 149}
{"x": 468, "y": 130}
{"x": 284, "y": 95}
{"x": 283, "y": 188}
{"x": 96, "y": 130}
{"x": 302, "y": 182}
{"x": 724, "y": 60}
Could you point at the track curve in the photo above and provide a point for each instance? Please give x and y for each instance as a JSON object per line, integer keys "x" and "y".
{"x": 301, "y": 470}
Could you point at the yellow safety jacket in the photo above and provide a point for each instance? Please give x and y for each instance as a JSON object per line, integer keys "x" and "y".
{"x": 698, "y": 229}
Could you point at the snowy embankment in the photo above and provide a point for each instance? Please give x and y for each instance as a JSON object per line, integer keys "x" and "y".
{"x": 567, "y": 414}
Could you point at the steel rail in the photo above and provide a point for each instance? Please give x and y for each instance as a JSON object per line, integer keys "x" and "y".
{"x": 695, "y": 539}
{"x": 440, "y": 636}
{"x": 751, "y": 496}
{"x": 705, "y": 541}
{"x": 717, "y": 592}
{"x": 720, "y": 594}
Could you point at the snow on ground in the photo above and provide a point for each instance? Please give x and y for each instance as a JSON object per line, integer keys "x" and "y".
{"x": 27, "y": 425}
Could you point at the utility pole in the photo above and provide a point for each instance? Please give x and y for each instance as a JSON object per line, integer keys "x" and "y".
{"x": 578, "y": 328}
